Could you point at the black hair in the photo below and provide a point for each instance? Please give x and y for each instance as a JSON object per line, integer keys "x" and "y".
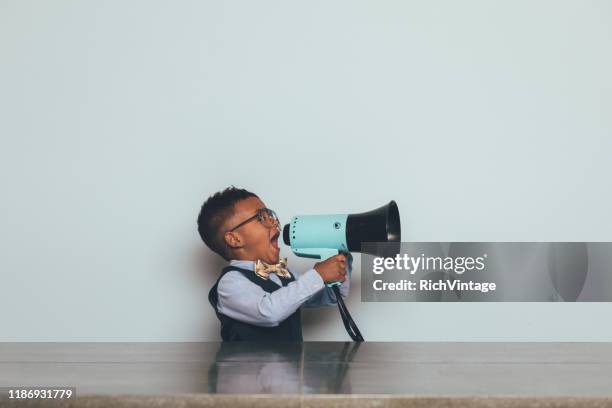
{"x": 214, "y": 211}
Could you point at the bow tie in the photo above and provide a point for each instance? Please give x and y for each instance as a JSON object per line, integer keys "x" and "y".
{"x": 263, "y": 270}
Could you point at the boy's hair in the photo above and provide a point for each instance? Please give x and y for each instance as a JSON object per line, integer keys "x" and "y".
{"x": 214, "y": 211}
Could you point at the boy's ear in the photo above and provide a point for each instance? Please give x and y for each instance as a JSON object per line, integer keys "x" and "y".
{"x": 232, "y": 239}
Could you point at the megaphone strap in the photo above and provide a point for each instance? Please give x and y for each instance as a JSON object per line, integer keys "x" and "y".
{"x": 349, "y": 323}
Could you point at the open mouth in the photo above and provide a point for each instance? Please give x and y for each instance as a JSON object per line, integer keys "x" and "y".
{"x": 274, "y": 241}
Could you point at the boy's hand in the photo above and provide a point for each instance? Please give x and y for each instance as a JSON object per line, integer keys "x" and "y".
{"x": 332, "y": 269}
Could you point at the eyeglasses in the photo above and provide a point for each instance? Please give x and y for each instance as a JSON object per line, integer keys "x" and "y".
{"x": 265, "y": 216}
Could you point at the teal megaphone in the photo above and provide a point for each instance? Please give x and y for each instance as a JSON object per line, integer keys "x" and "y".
{"x": 323, "y": 236}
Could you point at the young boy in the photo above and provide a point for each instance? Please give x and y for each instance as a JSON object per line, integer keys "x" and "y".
{"x": 257, "y": 298}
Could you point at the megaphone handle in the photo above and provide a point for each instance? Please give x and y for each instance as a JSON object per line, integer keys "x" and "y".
{"x": 333, "y": 253}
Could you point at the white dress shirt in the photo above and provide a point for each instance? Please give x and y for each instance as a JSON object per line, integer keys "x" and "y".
{"x": 243, "y": 300}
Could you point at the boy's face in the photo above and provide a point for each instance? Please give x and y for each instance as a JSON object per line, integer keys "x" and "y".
{"x": 252, "y": 240}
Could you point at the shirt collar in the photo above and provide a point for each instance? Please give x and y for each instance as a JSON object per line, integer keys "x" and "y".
{"x": 250, "y": 265}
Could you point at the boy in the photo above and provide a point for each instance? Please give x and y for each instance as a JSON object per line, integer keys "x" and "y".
{"x": 257, "y": 298}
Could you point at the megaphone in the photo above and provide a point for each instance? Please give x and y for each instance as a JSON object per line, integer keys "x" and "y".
{"x": 323, "y": 236}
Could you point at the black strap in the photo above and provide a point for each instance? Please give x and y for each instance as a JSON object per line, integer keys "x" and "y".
{"x": 349, "y": 323}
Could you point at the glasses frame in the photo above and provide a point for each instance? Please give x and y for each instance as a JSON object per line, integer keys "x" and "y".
{"x": 259, "y": 217}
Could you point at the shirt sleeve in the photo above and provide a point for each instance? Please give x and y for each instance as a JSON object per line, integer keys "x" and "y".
{"x": 241, "y": 299}
{"x": 327, "y": 296}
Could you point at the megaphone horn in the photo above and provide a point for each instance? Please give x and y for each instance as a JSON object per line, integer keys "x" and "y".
{"x": 379, "y": 225}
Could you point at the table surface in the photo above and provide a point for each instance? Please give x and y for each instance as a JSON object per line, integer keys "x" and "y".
{"x": 435, "y": 369}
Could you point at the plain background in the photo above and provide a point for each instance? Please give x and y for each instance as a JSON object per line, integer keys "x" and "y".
{"x": 485, "y": 121}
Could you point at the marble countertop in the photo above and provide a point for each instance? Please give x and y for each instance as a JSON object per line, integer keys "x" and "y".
{"x": 379, "y": 371}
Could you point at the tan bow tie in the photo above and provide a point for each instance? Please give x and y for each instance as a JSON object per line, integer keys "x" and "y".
{"x": 263, "y": 270}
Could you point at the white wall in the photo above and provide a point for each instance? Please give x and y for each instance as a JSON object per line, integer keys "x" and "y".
{"x": 485, "y": 121}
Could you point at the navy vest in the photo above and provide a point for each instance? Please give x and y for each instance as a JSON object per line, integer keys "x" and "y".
{"x": 289, "y": 329}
